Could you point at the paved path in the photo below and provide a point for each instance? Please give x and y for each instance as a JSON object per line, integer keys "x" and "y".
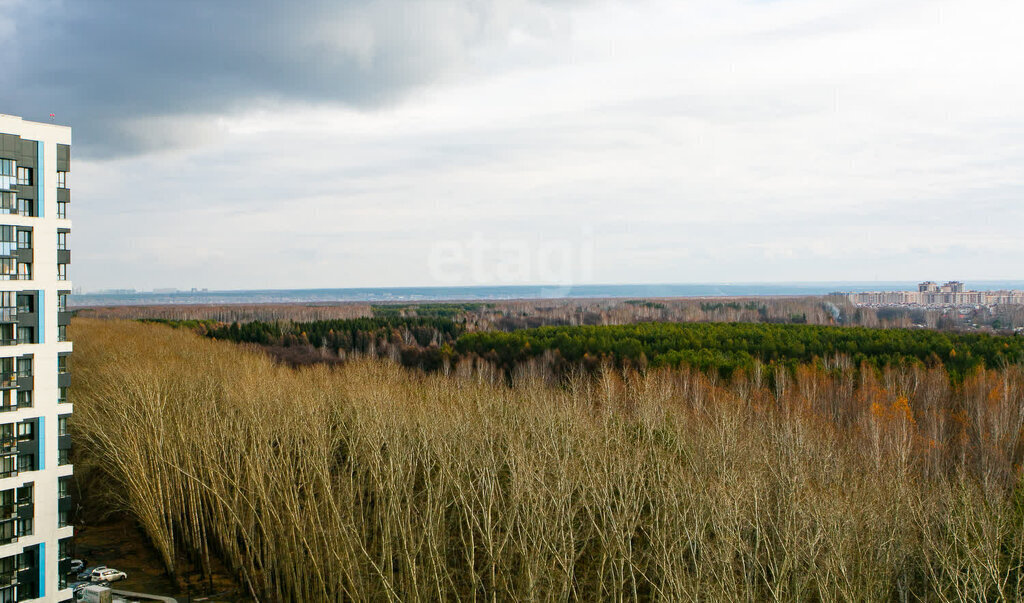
{"x": 144, "y": 596}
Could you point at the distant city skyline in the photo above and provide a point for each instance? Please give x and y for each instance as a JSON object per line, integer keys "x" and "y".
{"x": 256, "y": 145}
{"x": 950, "y": 293}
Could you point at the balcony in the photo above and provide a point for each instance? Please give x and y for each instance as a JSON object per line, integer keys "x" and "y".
{"x": 8, "y": 380}
{"x": 23, "y": 255}
{"x": 26, "y": 318}
{"x": 28, "y": 446}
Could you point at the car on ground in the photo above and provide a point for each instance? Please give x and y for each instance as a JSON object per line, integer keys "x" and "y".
{"x": 76, "y": 566}
{"x": 107, "y": 574}
{"x": 87, "y": 572}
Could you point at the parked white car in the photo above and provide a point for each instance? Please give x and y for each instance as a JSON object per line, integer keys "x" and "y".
{"x": 76, "y": 566}
{"x": 107, "y": 574}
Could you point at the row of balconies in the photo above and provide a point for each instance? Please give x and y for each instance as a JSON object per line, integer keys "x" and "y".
{"x": 28, "y": 192}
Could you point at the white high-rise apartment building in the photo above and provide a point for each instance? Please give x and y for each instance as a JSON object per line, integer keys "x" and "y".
{"x": 35, "y": 472}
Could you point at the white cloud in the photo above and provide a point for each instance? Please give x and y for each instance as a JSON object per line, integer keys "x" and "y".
{"x": 698, "y": 141}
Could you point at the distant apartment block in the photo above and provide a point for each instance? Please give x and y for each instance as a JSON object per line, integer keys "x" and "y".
{"x": 35, "y": 470}
{"x": 932, "y": 294}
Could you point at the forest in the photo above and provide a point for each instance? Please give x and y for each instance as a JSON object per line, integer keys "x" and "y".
{"x": 368, "y": 481}
{"x": 506, "y": 315}
{"x": 725, "y": 347}
{"x": 434, "y": 338}
{"x": 422, "y": 341}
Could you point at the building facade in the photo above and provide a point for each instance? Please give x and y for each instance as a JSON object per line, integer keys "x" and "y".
{"x": 932, "y": 294}
{"x": 35, "y": 256}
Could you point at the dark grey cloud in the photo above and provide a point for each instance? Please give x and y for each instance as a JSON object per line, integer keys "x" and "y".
{"x": 108, "y": 66}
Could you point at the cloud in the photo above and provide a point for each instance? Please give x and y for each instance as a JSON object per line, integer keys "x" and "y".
{"x": 705, "y": 140}
{"x": 108, "y": 66}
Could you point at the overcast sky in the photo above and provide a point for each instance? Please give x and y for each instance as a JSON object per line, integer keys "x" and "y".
{"x": 267, "y": 144}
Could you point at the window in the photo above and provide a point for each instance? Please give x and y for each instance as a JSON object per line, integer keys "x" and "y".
{"x": 64, "y": 548}
{"x": 8, "y": 203}
{"x": 26, "y": 207}
{"x": 26, "y": 430}
{"x": 7, "y": 240}
{"x": 63, "y": 458}
{"x": 62, "y": 519}
{"x": 8, "y": 567}
{"x": 24, "y": 176}
{"x": 62, "y": 333}
{"x": 8, "y": 306}
{"x": 62, "y": 272}
{"x": 8, "y": 269}
{"x": 24, "y": 271}
{"x": 27, "y": 561}
{"x": 25, "y": 493}
{"x": 65, "y": 551}
{"x": 7, "y": 534}
{"x": 62, "y": 209}
{"x": 7, "y": 401}
{"x": 7, "y": 171}
{"x": 25, "y": 366}
{"x": 26, "y": 462}
{"x": 24, "y": 527}
{"x": 62, "y": 425}
{"x": 62, "y": 179}
{"x": 62, "y": 302}
{"x": 25, "y": 399}
{"x": 8, "y": 466}
{"x": 62, "y": 240}
{"x": 26, "y": 304}
{"x": 62, "y": 395}
{"x": 26, "y": 335}
{"x": 8, "y": 336}
{"x": 24, "y": 238}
